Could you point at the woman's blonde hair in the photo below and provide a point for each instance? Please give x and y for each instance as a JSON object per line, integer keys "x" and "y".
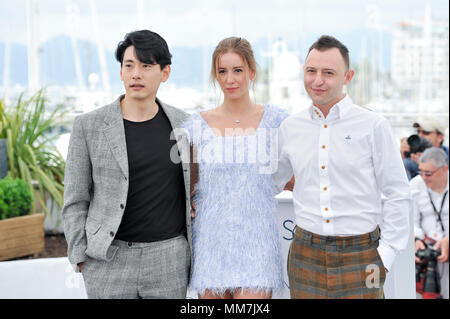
{"x": 237, "y": 45}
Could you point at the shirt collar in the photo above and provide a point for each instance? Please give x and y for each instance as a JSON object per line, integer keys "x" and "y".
{"x": 338, "y": 110}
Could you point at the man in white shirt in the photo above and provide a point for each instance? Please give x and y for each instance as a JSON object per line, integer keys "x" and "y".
{"x": 430, "y": 205}
{"x": 344, "y": 158}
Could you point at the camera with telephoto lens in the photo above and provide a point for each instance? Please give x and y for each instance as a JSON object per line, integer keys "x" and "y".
{"x": 427, "y": 269}
{"x": 417, "y": 144}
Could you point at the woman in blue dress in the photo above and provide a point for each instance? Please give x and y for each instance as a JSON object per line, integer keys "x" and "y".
{"x": 236, "y": 245}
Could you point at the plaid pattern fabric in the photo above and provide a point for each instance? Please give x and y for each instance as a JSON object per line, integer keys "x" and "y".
{"x": 323, "y": 267}
{"x": 158, "y": 269}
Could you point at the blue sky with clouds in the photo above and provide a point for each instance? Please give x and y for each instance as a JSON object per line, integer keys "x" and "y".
{"x": 201, "y": 22}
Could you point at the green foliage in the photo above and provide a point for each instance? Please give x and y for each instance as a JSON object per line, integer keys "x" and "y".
{"x": 15, "y": 198}
{"x": 31, "y": 154}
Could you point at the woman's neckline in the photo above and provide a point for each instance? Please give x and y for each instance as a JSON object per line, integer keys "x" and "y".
{"x": 220, "y": 136}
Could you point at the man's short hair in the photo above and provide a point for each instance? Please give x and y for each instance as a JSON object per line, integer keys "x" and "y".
{"x": 149, "y": 46}
{"x": 435, "y": 154}
{"x": 326, "y": 42}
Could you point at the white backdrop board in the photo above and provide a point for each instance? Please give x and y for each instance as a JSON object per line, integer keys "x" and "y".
{"x": 54, "y": 278}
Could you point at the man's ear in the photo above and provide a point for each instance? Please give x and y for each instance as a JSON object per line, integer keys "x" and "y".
{"x": 349, "y": 76}
{"x": 165, "y": 73}
{"x": 440, "y": 138}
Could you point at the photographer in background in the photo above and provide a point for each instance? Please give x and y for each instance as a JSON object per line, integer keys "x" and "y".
{"x": 429, "y": 191}
{"x": 430, "y": 133}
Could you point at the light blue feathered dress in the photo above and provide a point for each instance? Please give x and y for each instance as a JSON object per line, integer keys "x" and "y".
{"x": 235, "y": 236}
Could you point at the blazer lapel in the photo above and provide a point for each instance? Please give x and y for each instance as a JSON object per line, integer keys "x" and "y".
{"x": 177, "y": 134}
{"x": 173, "y": 118}
{"x": 115, "y": 135}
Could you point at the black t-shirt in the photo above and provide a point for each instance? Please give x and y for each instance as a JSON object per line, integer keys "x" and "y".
{"x": 156, "y": 204}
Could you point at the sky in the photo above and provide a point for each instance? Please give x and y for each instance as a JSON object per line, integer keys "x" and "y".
{"x": 197, "y": 23}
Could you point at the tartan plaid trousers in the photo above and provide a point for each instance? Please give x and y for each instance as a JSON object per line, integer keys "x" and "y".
{"x": 332, "y": 267}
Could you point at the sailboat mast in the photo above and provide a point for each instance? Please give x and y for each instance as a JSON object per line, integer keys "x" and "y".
{"x": 426, "y": 65}
{"x": 7, "y": 67}
{"x": 101, "y": 52}
{"x": 72, "y": 15}
{"x": 140, "y": 9}
{"x": 33, "y": 46}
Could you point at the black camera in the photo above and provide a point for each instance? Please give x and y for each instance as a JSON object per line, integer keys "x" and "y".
{"x": 417, "y": 144}
{"x": 427, "y": 271}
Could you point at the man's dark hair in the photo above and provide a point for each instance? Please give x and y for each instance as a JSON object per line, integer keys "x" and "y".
{"x": 150, "y": 48}
{"x": 326, "y": 42}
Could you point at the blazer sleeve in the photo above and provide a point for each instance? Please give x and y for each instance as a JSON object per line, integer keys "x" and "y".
{"x": 77, "y": 194}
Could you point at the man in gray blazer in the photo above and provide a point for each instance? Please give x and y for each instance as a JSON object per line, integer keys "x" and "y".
{"x": 126, "y": 211}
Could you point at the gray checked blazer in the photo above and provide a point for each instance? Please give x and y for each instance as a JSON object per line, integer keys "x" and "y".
{"x": 96, "y": 180}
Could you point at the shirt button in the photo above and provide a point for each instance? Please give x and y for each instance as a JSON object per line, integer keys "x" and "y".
{"x": 323, "y": 166}
{"x": 326, "y": 209}
{"x": 121, "y": 206}
{"x": 323, "y": 146}
{"x": 111, "y": 234}
{"x": 325, "y": 188}
{"x": 325, "y": 126}
{"x": 328, "y": 221}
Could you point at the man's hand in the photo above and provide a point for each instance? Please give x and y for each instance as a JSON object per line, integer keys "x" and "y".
{"x": 193, "y": 211}
{"x": 404, "y": 147}
{"x": 418, "y": 244}
{"x": 80, "y": 266}
{"x": 290, "y": 185}
{"x": 442, "y": 244}
{"x": 193, "y": 207}
{"x": 415, "y": 157}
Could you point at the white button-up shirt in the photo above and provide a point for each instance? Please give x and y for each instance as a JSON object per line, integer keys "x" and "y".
{"x": 343, "y": 164}
{"x": 425, "y": 219}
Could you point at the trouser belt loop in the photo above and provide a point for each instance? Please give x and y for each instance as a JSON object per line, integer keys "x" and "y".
{"x": 375, "y": 235}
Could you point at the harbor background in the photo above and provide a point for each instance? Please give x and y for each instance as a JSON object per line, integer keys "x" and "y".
{"x": 399, "y": 50}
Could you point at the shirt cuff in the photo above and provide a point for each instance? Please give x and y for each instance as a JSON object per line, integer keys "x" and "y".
{"x": 387, "y": 255}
